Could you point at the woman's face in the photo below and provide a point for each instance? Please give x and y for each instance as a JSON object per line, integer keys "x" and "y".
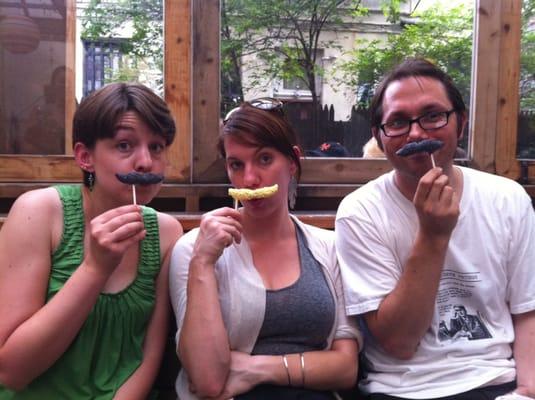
{"x": 134, "y": 148}
{"x": 253, "y": 167}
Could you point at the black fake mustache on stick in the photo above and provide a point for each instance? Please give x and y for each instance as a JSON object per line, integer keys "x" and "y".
{"x": 135, "y": 178}
{"x": 427, "y": 146}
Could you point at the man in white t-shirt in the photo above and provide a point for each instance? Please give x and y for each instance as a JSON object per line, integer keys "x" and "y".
{"x": 437, "y": 260}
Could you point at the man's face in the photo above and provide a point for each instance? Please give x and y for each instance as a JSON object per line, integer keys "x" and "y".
{"x": 411, "y": 98}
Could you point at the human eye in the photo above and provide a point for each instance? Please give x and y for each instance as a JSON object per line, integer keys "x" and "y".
{"x": 265, "y": 158}
{"x": 397, "y": 124}
{"x": 123, "y": 146}
{"x": 234, "y": 165}
{"x": 157, "y": 148}
{"x": 433, "y": 116}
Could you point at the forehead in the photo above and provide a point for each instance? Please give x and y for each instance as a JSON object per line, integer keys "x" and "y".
{"x": 411, "y": 95}
{"x": 129, "y": 118}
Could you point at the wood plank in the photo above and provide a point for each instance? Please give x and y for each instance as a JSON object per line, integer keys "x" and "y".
{"x": 484, "y": 107}
{"x": 34, "y": 168}
{"x": 508, "y": 90}
{"x": 177, "y": 81}
{"x": 70, "y": 63}
{"x": 205, "y": 89}
{"x": 343, "y": 171}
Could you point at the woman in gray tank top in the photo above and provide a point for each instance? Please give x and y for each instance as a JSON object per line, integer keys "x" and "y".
{"x": 256, "y": 293}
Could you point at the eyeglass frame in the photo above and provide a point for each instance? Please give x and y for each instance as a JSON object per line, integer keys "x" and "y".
{"x": 261, "y": 103}
{"x": 417, "y": 120}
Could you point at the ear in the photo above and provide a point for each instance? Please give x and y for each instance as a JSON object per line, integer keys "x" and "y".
{"x": 377, "y": 136}
{"x": 83, "y": 157}
{"x": 293, "y": 166}
{"x": 462, "y": 120}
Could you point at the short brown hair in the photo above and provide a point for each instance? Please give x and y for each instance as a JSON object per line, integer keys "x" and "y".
{"x": 97, "y": 115}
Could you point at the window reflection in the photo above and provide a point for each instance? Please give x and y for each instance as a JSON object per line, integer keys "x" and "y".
{"x": 326, "y": 74}
{"x": 526, "y": 118}
{"x": 32, "y": 77}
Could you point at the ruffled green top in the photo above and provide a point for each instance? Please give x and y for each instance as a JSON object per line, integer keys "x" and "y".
{"x": 109, "y": 346}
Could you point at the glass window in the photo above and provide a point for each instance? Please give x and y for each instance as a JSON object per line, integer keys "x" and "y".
{"x": 324, "y": 59}
{"x": 32, "y": 77}
{"x": 526, "y": 118}
{"x": 122, "y": 42}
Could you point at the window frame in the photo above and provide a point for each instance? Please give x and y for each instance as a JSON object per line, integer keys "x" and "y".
{"x": 192, "y": 90}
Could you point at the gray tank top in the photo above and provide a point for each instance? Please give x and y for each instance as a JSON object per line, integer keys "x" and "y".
{"x": 299, "y": 317}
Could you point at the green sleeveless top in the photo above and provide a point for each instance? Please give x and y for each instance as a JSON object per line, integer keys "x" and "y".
{"x": 109, "y": 346}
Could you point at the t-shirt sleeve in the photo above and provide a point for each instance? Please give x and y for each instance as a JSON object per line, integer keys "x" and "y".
{"x": 521, "y": 260}
{"x": 369, "y": 267}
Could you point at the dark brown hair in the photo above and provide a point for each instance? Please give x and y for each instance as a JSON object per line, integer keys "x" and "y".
{"x": 414, "y": 67}
{"x": 97, "y": 115}
{"x": 262, "y": 128}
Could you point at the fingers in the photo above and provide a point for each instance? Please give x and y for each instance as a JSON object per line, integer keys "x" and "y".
{"x": 118, "y": 225}
{"x": 436, "y": 202}
{"x": 218, "y": 229}
{"x": 223, "y": 225}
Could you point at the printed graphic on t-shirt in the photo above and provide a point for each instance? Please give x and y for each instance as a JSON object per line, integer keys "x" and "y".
{"x": 457, "y": 320}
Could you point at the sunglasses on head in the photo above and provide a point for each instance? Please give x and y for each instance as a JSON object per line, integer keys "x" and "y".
{"x": 262, "y": 103}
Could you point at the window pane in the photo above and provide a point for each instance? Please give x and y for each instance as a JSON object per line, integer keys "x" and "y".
{"x": 32, "y": 77}
{"x": 526, "y": 119}
{"x": 326, "y": 84}
{"x": 121, "y": 41}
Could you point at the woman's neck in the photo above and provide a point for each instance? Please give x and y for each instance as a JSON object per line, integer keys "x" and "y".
{"x": 275, "y": 226}
{"x": 96, "y": 203}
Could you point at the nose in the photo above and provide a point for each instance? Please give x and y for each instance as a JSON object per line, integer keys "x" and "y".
{"x": 417, "y": 132}
{"x": 143, "y": 159}
{"x": 251, "y": 178}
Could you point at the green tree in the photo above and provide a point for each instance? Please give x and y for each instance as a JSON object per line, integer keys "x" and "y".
{"x": 445, "y": 37}
{"x": 527, "y": 57}
{"x": 141, "y": 20}
{"x": 286, "y": 35}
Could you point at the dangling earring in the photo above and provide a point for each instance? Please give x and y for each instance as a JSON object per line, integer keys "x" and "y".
{"x": 91, "y": 180}
{"x": 292, "y": 192}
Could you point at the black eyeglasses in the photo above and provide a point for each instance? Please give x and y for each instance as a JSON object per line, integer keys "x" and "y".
{"x": 262, "y": 103}
{"x": 429, "y": 122}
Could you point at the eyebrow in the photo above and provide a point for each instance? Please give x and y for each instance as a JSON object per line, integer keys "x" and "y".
{"x": 424, "y": 110}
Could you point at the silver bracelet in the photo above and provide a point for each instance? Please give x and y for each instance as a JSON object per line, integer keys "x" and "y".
{"x": 285, "y": 362}
{"x": 302, "y": 356}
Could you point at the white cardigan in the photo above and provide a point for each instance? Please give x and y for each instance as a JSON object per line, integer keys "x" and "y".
{"x": 242, "y": 293}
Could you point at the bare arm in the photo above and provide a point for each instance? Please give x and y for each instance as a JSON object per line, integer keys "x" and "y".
{"x": 524, "y": 353}
{"x": 33, "y": 335}
{"x": 140, "y": 383}
{"x": 405, "y": 314}
{"x": 323, "y": 370}
{"x": 203, "y": 343}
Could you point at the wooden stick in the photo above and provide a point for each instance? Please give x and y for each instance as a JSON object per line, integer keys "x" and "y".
{"x": 235, "y": 204}
{"x": 433, "y": 160}
{"x": 134, "y": 194}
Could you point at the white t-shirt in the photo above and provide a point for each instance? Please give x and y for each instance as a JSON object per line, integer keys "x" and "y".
{"x": 487, "y": 276}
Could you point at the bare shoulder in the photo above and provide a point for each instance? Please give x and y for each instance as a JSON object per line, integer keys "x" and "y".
{"x": 40, "y": 208}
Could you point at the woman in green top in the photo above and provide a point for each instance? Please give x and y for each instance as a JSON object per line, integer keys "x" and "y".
{"x": 83, "y": 270}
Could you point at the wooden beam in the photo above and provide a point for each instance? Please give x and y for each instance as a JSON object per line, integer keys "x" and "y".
{"x": 508, "y": 89}
{"x": 484, "y": 107}
{"x": 177, "y": 81}
{"x": 205, "y": 87}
